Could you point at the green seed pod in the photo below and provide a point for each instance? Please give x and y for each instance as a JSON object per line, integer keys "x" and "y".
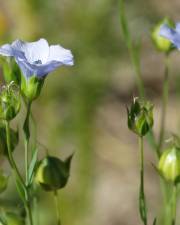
{"x": 31, "y": 87}
{"x": 53, "y": 173}
{"x": 169, "y": 164}
{"x": 13, "y": 219}
{"x": 140, "y": 117}
{"x": 162, "y": 44}
{"x": 9, "y": 102}
{"x": 3, "y": 181}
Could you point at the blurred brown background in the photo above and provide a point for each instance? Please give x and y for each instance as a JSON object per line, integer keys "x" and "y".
{"x": 82, "y": 109}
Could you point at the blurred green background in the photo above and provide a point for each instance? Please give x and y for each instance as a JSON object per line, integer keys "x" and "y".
{"x": 82, "y": 108}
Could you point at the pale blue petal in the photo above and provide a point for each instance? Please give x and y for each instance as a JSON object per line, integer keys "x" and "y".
{"x": 170, "y": 34}
{"x": 37, "y": 58}
{"x": 177, "y": 27}
{"x": 34, "y": 51}
{"x": 38, "y": 70}
{"x": 26, "y": 69}
{"x": 6, "y": 50}
{"x": 60, "y": 54}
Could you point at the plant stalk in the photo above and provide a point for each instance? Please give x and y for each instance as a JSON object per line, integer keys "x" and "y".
{"x": 142, "y": 200}
{"x": 56, "y": 200}
{"x": 164, "y": 105}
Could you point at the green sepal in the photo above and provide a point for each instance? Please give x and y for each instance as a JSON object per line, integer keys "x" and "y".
{"x": 162, "y": 44}
{"x": 31, "y": 87}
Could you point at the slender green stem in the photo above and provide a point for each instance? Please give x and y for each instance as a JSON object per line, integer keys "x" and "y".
{"x": 164, "y": 104}
{"x": 56, "y": 200}
{"x": 174, "y": 204}
{"x": 142, "y": 200}
{"x": 136, "y": 63}
{"x": 17, "y": 173}
{"x": 11, "y": 159}
{"x": 26, "y": 139}
{"x": 26, "y": 159}
{"x": 29, "y": 212}
{"x": 26, "y": 155}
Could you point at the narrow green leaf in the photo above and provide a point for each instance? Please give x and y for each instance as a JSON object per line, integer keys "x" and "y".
{"x": 20, "y": 189}
{"x": 124, "y": 25}
{"x": 32, "y": 166}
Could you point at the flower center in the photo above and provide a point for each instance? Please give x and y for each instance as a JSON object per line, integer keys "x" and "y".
{"x": 38, "y": 61}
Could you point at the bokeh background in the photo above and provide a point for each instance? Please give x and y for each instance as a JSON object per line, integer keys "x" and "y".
{"x": 82, "y": 109}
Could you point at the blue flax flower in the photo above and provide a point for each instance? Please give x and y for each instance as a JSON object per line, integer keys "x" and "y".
{"x": 172, "y": 34}
{"x": 37, "y": 58}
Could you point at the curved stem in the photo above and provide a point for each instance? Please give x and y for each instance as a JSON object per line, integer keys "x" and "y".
{"x": 142, "y": 200}
{"x": 56, "y": 199}
{"x": 17, "y": 173}
{"x": 164, "y": 104}
{"x": 11, "y": 159}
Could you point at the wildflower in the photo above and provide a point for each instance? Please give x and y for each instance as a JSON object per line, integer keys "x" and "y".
{"x": 37, "y": 58}
{"x": 140, "y": 117}
{"x": 172, "y": 34}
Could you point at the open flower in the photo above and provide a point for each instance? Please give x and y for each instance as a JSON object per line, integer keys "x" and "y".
{"x": 172, "y": 34}
{"x": 37, "y": 58}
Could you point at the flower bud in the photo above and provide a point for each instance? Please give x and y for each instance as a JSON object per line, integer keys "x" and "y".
{"x": 53, "y": 173}
{"x": 12, "y": 219}
{"x": 140, "y": 117}
{"x": 31, "y": 87}
{"x": 162, "y": 44}
{"x": 9, "y": 102}
{"x": 169, "y": 164}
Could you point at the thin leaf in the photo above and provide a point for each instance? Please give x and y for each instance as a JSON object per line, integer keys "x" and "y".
{"x": 20, "y": 189}
{"x": 32, "y": 166}
{"x": 124, "y": 25}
